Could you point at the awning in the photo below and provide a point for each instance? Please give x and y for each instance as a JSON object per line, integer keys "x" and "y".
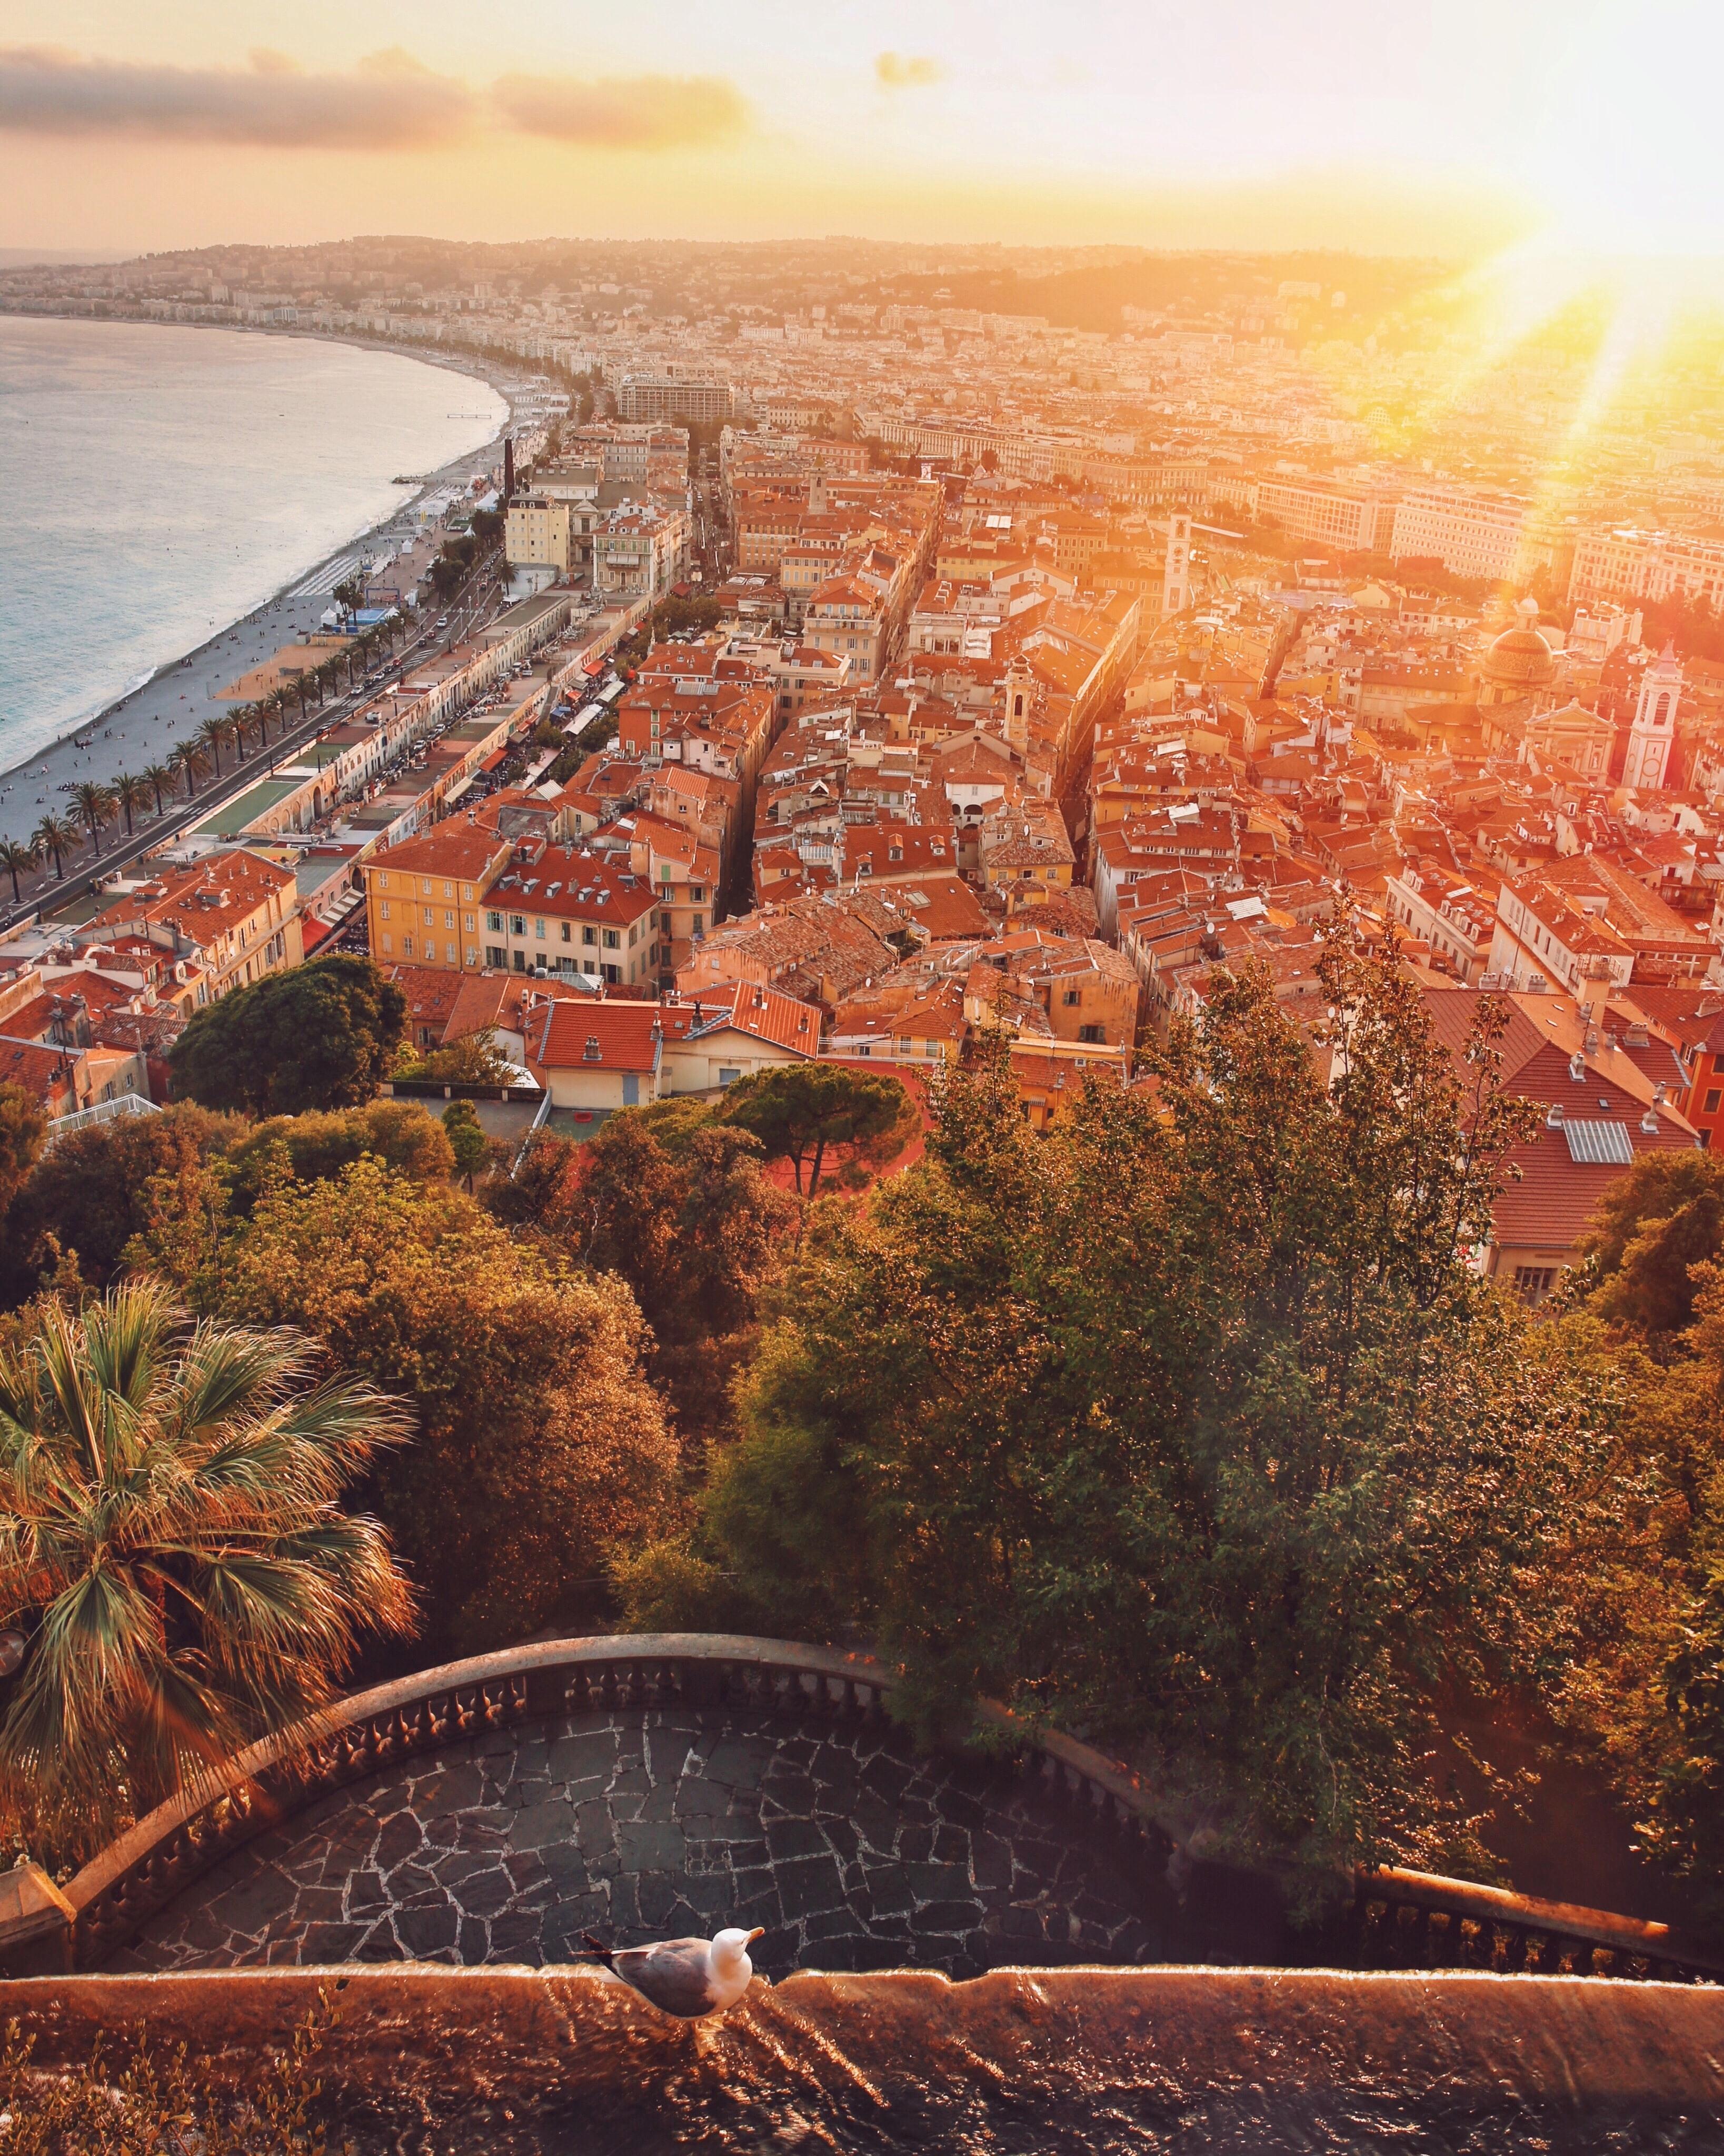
{"x": 496, "y": 756}
{"x": 593, "y": 669}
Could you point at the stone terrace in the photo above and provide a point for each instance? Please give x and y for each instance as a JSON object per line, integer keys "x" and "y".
{"x": 851, "y": 1850}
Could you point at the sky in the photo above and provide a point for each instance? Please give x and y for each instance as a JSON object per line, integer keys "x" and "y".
{"x": 1450, "y": 128}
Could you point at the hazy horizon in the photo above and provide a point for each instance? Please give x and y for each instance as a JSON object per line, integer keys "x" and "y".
{"x": 1454, "y": 131}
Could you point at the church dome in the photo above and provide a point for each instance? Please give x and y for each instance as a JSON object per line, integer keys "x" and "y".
{"x": 1519, "y": 662}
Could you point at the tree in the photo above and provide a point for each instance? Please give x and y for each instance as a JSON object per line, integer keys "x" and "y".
{"x": 214, "y": 734}
{"x": 467, "y": 1140}
{"x": 97, "y": 806}
{"x": 1188, "y": 1426}
{"x": 23, "y": 1125}
{"x": 1653, "y": 1226}
{"x": 542, "y": 1446}
{"x": 316, "y": 1147}
{"x": 132, "y": 792}
{"x": 470, "y": 1059}
{"x": 159, "y": 777}
{"x": 799, "y": 1109}
{"x": 320, "y": 1035}
{"x": 350, "y": 594}
{"x": 54, "y": 835}
{"x": 188, "y": 758}
{"x": 19, "y": 857}
{"x": 87, "y": 1192}
{"x": 173, "y": 1543}
{"x": 672, "y": 1201}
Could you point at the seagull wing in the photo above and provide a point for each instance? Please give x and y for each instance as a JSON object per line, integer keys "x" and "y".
{"x": 675, "y": 1975}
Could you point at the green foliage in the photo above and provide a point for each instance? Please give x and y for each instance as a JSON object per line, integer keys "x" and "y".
{"x": 798, "y": 1109}
{"x": 670, "y": 1200}
{"x": 316, "y": 1148}
{"x": 542, "y": 1445}
{"x": 471, "y": 1059}
{"x": 23, "y": 1125}
{"x": 89, "y": 1194}
{"x": 1654, "y": 1224}
{"x": 320, "y": 1035}
{"x": 1188, "y": 1427}
{"x": 469, "y": 1146}
{"x": 172, "y": 1540}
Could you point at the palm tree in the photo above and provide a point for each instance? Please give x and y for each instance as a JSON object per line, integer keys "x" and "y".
{"x": 133, "y": 793}
{"x": 17, "y": 857}
{"x": 97, "y": 806}
{"x": 240, "y": 725}
{"x": 214, "y": 730}
{"x": 159, "y": 777}
{"x": 54, "y": 835}
{"x": 171, "y": 1541}
{"x": 188, "y": 758}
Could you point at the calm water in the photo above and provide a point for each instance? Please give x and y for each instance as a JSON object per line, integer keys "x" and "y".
{"x": 160, "y": 482}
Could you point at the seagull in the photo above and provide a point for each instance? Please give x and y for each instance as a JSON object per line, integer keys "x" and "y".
{"x": 688, "y": 1978}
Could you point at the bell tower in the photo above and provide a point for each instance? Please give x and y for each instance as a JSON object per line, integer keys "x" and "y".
{"x": 1176, "y": 569}
{"x": 1653, "y": 734}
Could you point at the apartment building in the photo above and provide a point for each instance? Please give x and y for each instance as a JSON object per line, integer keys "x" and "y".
{"x": 1355, "y": 520}
{"x": 655, "y": 397}
{"x": 1628, "y": 564}
{"x": 232, "y": 915}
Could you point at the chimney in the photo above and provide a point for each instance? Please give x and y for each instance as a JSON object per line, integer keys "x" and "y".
{"x": 591, "y": 1053}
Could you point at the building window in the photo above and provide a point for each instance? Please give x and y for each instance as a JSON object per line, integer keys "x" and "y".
{"x": 728, "y": 1076}
{"x": 1533, "y": 1283}
{"x": 1710, "y": 1104}
{"x": 467, "y": 922}
{"x": 590, "y": 935}
{"x": 613, "y": 939}
{"x": 567, "y": 933}
{"x": 452, "y": 954}
{"x": 1073, "y": 998}
{"x": 496, "y": 955}
{"x": 494, "y": 923}
{"x": 449, "y": 920}
{"x": 517, "y": 924}
{"x": 539, "y": 928}
{"x": 520, "y": 962}
{"x": 698, "y": 924}
{"x": 388, "y": 944}
{"x": 407, "y": 946}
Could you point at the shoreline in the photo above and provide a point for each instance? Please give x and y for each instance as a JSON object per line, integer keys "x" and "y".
{"x": 79, "y": 734}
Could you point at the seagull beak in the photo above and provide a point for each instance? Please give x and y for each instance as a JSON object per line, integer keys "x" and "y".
{"x": 758, "y": 1932}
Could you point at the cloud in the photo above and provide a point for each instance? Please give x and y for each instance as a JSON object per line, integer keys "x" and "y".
{"x": 907, "y": 70}
{"x": 389, "y": 102}
{"x": 646, "y": 112}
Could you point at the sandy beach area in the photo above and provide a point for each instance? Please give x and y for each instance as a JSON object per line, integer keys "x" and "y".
{"x": 141, "y": 727}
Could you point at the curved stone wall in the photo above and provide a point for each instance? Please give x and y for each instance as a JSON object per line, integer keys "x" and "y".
{"x": 850, "y": 1849}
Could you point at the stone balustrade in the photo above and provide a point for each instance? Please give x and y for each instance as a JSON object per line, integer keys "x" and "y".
{"x": 1398, "y": 1918}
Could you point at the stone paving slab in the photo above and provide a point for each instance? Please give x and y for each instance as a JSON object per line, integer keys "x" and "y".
{"x": 851, "y": 1850}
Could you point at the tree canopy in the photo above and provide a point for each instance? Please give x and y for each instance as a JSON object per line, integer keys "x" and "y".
{"x": 23, "y": 1125}
{"x": 671, "y": 1199}
{"x": 540, "y": 1443}
{"x": 320, "y": 1035}
{"x": 171, "y": 1535}
{"x": 799, "y": 1110}
{"x": 1188, "y": 1426}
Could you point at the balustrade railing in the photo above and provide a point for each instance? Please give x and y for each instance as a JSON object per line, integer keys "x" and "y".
{"x": 1399, "y": 1919}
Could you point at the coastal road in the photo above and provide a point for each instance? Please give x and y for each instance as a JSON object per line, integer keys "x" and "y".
{"x": 142, "y": 728}
{"x": 45, "y": 893}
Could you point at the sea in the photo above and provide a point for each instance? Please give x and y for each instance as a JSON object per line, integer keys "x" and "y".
{"x": 159, "y": 482}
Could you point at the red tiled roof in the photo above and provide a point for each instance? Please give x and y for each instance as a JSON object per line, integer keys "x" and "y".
{"x": 597, "y": 1036}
